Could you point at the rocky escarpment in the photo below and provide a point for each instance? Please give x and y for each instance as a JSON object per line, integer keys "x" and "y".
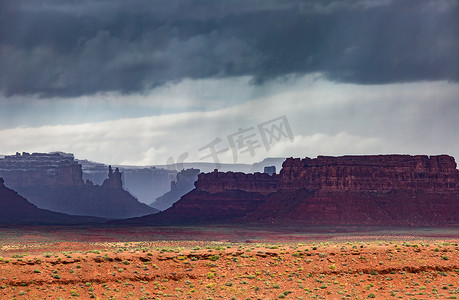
{"x": 40, "y": 169}
{"x": 54, "y": 182}
{"x": 384, "y": 190}
{"x": 15, "y": 209}
{"x": 371, "y": 173}
{"x": 347, "y": 190}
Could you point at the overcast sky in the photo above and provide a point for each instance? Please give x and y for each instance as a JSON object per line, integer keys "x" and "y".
{"x": 145, "y": 82}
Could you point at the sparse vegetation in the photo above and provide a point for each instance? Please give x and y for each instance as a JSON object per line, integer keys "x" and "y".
{"x": 211, "y": 270}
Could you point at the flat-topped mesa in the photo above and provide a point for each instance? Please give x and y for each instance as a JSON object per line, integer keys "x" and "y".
{"x": 41, "y": 169}
{"x": 371, "y": 173}
{"x": 216, "y": 182}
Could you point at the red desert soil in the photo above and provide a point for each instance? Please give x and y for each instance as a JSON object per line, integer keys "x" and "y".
{"x": 422, "y": 269}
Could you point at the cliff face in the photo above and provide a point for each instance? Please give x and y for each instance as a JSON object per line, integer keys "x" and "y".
{"x": 379, "y": 190}
{"x": 40, "y": 169}
{"x": 54, "y": 182}
{"x": 371, "y": 173}
{"x": 357, "y": 190}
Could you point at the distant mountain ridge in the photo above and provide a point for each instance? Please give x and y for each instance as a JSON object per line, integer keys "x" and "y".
{"x": 402, "y": 190}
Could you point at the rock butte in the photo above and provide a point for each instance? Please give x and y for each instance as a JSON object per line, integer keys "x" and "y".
{"x": 349, "y": 190}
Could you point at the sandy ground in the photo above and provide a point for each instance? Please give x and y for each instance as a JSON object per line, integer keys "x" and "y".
{"x": 417, "y": 269}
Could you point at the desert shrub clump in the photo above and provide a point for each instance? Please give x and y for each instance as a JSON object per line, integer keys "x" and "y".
{"x": 214, "y": 257}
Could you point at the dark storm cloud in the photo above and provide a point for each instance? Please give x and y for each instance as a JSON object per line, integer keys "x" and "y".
{"x": 71, "y": 48}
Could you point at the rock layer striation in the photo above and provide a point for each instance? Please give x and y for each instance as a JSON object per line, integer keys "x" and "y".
{"x": 349, "y": 190}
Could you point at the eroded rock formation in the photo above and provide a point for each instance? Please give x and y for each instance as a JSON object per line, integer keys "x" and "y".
{"x": 383, "y": 189}
{"x": 114, "y": 179}
{"x": 54, "y": 182}
{"x": 347, "y": 190}
{"x": 371, "y": 173}
{"x": 40, "y": 169}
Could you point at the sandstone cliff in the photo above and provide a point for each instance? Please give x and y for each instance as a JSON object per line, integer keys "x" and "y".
{"x": 383, "y": 189}
{"x": 347, "y": 190}
{"x": 40, "y": 169}
{"x": 371, "y": 173}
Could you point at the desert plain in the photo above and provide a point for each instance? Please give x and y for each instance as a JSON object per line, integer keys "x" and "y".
{"x": 228, "y": 263}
